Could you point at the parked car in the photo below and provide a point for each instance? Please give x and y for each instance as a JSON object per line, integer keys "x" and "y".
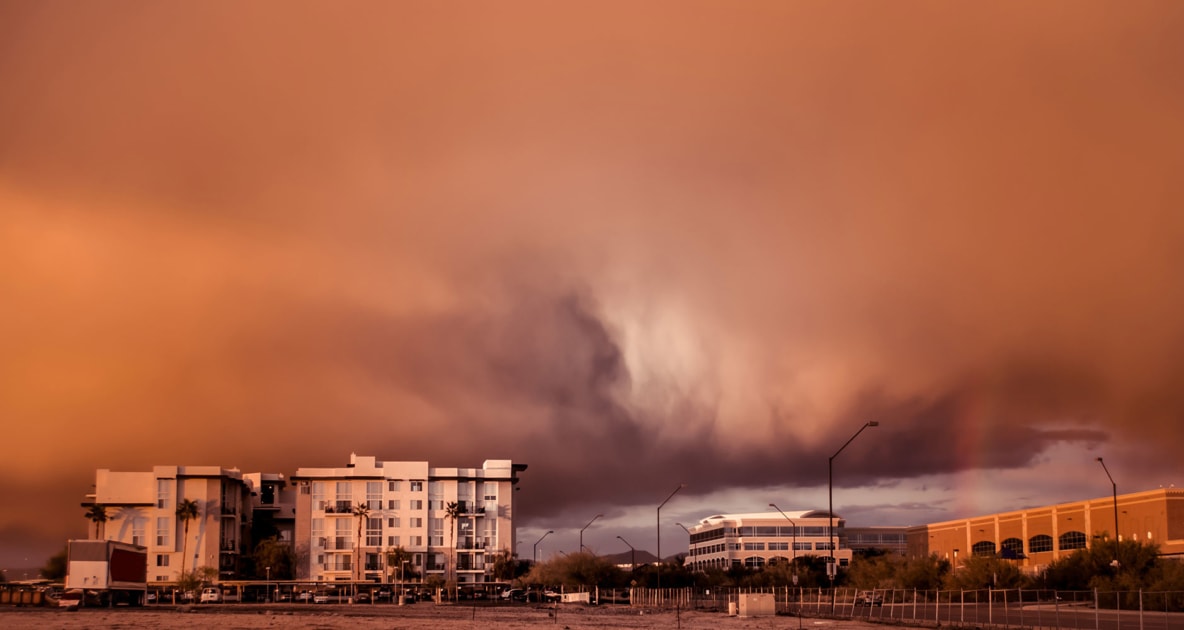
{"x": 362, "y": 598}
{"x": 150, "y": 597}
{"x": 869, "y": 598}
{"x": 513, "y": 595}
{"x": 382, "y": 595}
{"x": 320, "y": 598}
{"x": 304, "y": 596}
{"x": 210, "y": 595}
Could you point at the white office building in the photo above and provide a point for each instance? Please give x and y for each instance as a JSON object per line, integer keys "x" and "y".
{"x": 754, "y": 540}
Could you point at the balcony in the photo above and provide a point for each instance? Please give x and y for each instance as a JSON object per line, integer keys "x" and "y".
{"x": 341, "y": 507}
{"x": 228, "y": 546}
{"x": 228, "y": 509}
{"x": 337, "y": 544}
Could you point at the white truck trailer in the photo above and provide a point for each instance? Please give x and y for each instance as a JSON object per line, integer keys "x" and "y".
{"x": 107, "y": 572}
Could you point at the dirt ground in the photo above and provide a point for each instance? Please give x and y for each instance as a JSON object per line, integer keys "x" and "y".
{"x": 417, "y": 617}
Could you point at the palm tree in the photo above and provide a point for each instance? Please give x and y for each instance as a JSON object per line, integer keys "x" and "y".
{"x": 97, "y": 514}
{"x": 187, "y": 510}
{"x": 361, "y": 510}
{"x": 395, "y": 557}
{"x": 452, "y": 512}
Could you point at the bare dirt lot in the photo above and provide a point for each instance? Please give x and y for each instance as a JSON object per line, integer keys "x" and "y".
{"x": 247, "y": 616}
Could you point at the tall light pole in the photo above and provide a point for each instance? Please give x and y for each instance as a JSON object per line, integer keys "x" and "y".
{"x": 793, "y": 532}
{"x": 586, "y": 527}
{"x": 268, "y": 585}
{"x": 633, "y": 558}
{"x": 658, "y": 566}
{"x": 1113, "y": 487}
{"x": 684, "y": 528}
{"x": 830, "y": 494}
{"x": 535, "y": 557}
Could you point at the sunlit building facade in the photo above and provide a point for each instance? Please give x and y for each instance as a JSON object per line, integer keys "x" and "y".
{"x": 754, "y": 540}
{"x": 348, "y": 518}
{"x": 141, "y": 509}
{"x": 1035, "y": 537}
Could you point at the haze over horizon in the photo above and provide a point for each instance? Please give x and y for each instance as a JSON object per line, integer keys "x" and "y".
{"x": 627, "y": 244}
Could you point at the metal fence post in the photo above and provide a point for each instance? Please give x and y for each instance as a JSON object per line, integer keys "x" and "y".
{"x": 1140, "y": 609}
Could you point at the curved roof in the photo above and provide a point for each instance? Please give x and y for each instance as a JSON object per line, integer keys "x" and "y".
{"x": 762, "y": 516}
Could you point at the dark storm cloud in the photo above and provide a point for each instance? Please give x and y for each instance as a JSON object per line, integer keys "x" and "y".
{"x": 630, "y": 246}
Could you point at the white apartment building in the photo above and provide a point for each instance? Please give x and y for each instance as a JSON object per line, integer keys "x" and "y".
{"x": 405, "y": 506}
{"x": 753, "y": 540}
{"x": 141, "y": 509}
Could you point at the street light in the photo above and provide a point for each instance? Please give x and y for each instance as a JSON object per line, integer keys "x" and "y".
{"x": 1114, "y": 487}
{"x": 536, "y": 544}
{"x": 633, "y": 557}
{"x": 658, "y": 566}
{"x": 586, "y": 527}
{"x": 268, "y": 584}
{"x": 684, "y": 528}
{"x": 793, "y": 532}
{"x": 830, "y": 493}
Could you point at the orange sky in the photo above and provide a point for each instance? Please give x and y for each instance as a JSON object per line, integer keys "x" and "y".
{"x": 610, "y": 237}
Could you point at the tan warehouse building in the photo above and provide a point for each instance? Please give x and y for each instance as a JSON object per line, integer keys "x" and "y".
{"x": 1037, "y": 536}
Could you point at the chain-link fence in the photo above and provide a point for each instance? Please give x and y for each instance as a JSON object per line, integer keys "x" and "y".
{"x": 1003, "y": 608}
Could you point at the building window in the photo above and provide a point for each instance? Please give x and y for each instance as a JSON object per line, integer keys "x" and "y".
{"x": 374, "y": 532}
{"x": 1012, "y": 548}
{"x": 436, "y": 536}
{"x": 344, "y": 492}
{"x": 823, "y": 546}
{"x": 138, "y": 531}
{"x": 1037, "y": 544}
{"x": 392, "y": 504}
{"x": 344, "y": 533}
{"x": 416, "y": 541}
{"x": 374, "y": 495}
{"x": 392, "y": 521}
{"x": 417, "y": 504}
{"x": 162, "y": 560}
{"x": 318, "y": 530}
{"x": 1071, "y": 540}
{"x": 318, "y": 495}
{"x": 778, "y": 546}
{"x": 754, "y": 546}
{"x": 416, "y": 522}
{"x": 392, "y": 541}
{"x": 394, "y": 485}
{"x": 164, "y": 493}
{"x": 803, "y": 546}
{"x": 417, "y": 486}
{"x": 267, "y": 494}
{"x": 983, "y": 548}
{"x": 754, "y": 562}
{"x": 490, "y": 491}
{"x": 163, "y": 525}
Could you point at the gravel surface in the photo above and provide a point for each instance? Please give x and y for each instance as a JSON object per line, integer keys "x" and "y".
{"x": 420, "y": 616}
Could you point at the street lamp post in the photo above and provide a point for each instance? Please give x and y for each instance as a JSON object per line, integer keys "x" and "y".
{"x": 793, "y": 533}
{"x": 833, "y": 570}
{"x": 268, "y": 584}
{"x": 633, "y": 556}
{"x": 586, "y": 527}
{"x": 1114, "y": 488}
{"x": 536, "y": 544}
{"x": 684, "y": 528}
{"x": 658, "y": 565}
